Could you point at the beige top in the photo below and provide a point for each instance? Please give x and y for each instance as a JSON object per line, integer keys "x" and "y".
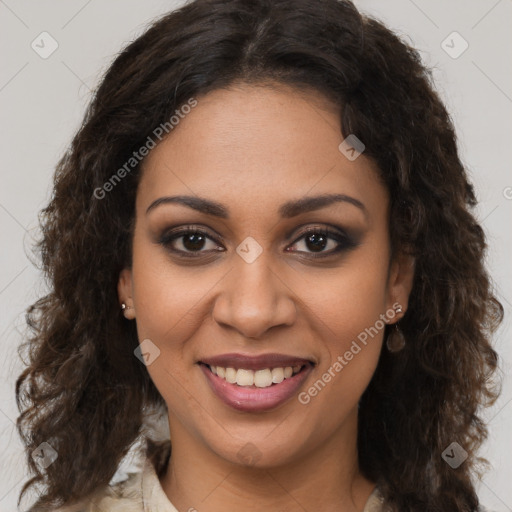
{"x": 142, "y": 492}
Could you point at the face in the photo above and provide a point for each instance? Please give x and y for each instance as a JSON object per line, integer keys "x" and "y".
{"x": 251, "y": 273}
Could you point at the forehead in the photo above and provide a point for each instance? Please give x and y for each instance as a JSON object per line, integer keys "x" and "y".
{"x": 255, "y": 147}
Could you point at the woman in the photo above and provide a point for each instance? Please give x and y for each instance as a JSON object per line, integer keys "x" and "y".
{"x": 263, "y": 231}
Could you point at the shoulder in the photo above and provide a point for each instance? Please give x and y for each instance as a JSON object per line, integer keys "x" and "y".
{"x": 124, "y": 496}
{"x": 375, "y": 501}
{"x": 135, "y": 487}
{"x": 139, "y": 492}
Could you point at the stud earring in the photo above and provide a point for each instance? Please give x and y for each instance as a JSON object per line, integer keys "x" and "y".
{"x": 395, "y": 340}
{"x": 128, "y": 311}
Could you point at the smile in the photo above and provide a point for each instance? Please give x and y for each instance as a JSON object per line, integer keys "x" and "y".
{"x": 260, "y": 378}
{"x": 255, "y": 390}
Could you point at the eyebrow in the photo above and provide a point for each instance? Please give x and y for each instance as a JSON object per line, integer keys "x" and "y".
{"x": 286, "y": 210}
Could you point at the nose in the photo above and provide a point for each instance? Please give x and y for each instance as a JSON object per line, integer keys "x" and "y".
{"x": 254, "y": 298}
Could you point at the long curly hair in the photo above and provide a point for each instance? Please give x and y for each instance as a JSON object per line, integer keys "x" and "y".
{"x": 83, "y": 391}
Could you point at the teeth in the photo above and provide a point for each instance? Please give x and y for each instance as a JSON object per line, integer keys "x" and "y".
{"x": 230, "y": 375}
{"x": 259, "y": 378}
{"x": 262, "y": 378}
{"x": 245, "y": 377}
{"x": 277, "y": 375}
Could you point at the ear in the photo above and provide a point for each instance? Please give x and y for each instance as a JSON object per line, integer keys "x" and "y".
{"x": 401, "y": 276}
{"x": 125, "y": 293}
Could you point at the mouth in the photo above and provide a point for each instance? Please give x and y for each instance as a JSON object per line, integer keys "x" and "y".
{"x": 263, "y": 378}
{"x": 255, "y": 384}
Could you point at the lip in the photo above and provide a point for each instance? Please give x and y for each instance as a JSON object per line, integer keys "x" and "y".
{"x": 251, "y": 398}
{"x": 259, "y": 362}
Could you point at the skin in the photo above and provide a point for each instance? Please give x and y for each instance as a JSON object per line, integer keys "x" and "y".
{"x": 253, "y": 148}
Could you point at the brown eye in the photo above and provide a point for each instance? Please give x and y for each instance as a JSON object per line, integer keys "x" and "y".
{"x": 316, "y": 242}
{"x": 193, "y": 241}
{"x": 323, "y": 241}
{"x": 189, "y": 241}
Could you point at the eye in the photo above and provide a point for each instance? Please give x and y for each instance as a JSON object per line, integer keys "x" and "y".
{"x": 317, "y": 242}
{"x": 323, "y": 241}
{"x": 189, "y": 241}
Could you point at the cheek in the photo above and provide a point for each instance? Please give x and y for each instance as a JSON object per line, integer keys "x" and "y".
{"x": 349, "y": 312}
{"x": 350, "y": 298}
{"x": 166, "y": 293}
{"x": 168, "y": 298}
{"x": 351, "y": 329}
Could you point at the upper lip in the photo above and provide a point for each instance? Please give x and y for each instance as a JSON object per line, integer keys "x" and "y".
{"x": 258, "y": 362}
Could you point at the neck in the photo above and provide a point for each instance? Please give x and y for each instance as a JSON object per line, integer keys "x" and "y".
{"x": 326, "y": 479}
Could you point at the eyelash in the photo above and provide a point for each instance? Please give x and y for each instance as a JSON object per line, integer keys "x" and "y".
{"x": 344, "y": 241}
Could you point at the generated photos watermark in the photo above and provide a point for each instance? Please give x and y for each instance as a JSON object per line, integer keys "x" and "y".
{"x": 343, "y": 360}
{"x": 137, "y": 156}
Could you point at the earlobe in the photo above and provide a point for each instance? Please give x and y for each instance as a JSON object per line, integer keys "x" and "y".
{"x": 400, "y": 281}
{"x": 125, "y": 293}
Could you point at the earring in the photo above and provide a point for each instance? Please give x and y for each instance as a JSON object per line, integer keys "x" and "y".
{"x": 129, "y": 315}
{"x": 395, "y": 340}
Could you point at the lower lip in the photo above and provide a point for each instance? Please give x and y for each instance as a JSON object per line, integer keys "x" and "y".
{"x": 253, "y": 399}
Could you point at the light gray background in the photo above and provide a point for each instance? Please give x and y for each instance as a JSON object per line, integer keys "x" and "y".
{"x": 42, "y": 102}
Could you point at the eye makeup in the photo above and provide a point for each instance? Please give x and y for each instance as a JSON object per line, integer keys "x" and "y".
{"x": 190, "y": 241}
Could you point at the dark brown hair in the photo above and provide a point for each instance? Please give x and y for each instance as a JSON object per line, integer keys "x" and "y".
{"x": 83, "y": 391}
